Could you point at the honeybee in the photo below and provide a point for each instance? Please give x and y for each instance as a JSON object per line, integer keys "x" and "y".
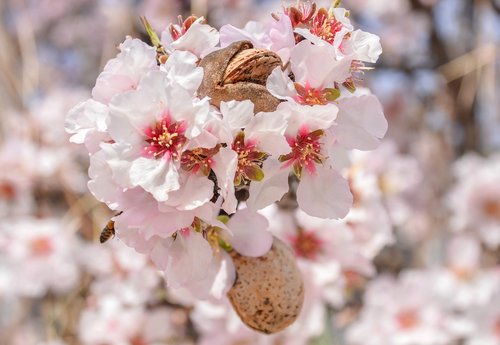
{"x": 108, "y": 231}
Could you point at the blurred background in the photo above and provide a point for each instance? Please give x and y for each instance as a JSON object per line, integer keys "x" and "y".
{"x": 424, "y": 264}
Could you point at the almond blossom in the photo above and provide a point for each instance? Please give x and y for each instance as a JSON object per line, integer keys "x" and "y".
{"x": 402, "y": 311}
{"x": 39, "y": 253}
{"x": 475, "y": 198}
{"x": 190, "y": 35}
{"x": 322, "y": 191}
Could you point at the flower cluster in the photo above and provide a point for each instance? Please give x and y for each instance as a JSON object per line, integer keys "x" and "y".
{"x": 189, "y": 175}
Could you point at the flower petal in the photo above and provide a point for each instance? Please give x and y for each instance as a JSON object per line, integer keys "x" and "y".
{"x": 325, "y": 194}
{"x": 250, "y": 234}
{"x": 271, "y": 188}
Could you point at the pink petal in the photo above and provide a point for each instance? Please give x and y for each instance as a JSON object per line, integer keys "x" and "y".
{"x": 325, "y": 194}
{"x": 250, "y": 234}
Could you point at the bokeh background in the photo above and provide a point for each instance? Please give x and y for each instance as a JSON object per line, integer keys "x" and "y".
{"x": 429, "y": 268}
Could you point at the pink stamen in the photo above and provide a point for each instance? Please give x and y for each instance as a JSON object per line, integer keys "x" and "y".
{"x": 306, "y": 151}
{"x": 165, "y": 139}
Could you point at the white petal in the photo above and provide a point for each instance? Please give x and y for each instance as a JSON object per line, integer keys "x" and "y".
{"x": 282, "y": 37}
{"x": 250, "y": 233}
{"x": 366, "y": 46}
{"x": 225, "y": 164}
{"x": 312, "y": 117}
{"x": 280, "y": 86}
{"x": 200, "y": 39}
{"x": 267, "y": 131}
{"x": 195, "y": 192}
{"x": 271, "y": 188}
{"x": 157, "y": 176}
{"x": 325, "y": 194}
{"x": 254, "y": 32}
{"x": 124, "y": 72}
{"x": 88, "y": 123}
{"x": 317, "y": 65}
{"x": 236, "y": 115}
{"x": 181, "y": 68}
{"x": 360, "y": 123}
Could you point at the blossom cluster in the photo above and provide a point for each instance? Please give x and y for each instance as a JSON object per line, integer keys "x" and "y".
{"x": 189, "y": 176}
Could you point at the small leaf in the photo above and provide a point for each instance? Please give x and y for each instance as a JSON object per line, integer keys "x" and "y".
{"x": 155, "y": 40}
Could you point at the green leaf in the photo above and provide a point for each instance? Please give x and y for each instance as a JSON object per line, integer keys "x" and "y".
{"x": 155, "y": 40}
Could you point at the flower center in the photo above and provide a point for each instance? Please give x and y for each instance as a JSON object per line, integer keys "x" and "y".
{"x": 139, "y": 340}
{"x": 249, "y": 161}
{"x": 7, "y": 190}
{"x": 41, "y": 246}
{"x": 199, "y": 159}
{"x": 184, "y": 26}
{"x": 300, "y": 14}
{"x": 306, "y": 151}
{"x": 165, "y": 138}
{"x": 463, "y": 273}
{"x": 310, "y": 96}
{"x": 496, "y": 327}
{"x": 325, "y": 26}
{"x": 491, "y": 209}
{"x": 306, "y": 244}
{"x": 407, "y": 319}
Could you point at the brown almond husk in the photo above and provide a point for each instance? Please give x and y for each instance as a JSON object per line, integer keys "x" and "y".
{"x": 268, "y": 293}
{"x": 239, "y": 72}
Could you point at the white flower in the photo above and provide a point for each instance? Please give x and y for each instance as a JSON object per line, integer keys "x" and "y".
{"x": 87, "y": 121}
{"x": 276, "y": 36}
{"x": 124, "y": 72}
{"x": 191, "y": 35}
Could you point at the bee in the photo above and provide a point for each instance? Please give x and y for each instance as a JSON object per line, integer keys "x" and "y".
{"x": 108, "y": 231}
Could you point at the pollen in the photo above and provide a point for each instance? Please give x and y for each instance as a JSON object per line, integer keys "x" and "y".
{"x": 307, "y": 95}
{"x": 250, "y": 160}
{"x": 199, "y": 159}
{"x": 325, "y": 26}
{"x": 306, "y": 244}
{"x": 41, "y": 246}
{"x": 306, "y": 152}
{"x": 165, "y": 139}
{"x": 407, "y": 319}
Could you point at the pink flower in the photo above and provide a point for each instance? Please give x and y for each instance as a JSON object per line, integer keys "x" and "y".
{"x": 190, "y": 35}
{"x": 402, "y": 311}
{"x": 276, "y": 36}
{"x": 322, "y": 191}
{"x": 333, "y": 29}
{"x": 87, "y": 121}
{"x": 40, "y": 256}
{"x": 124, "y": 72}
{"x": 316, "y": 72}
{"x": 475, "y": 199}
{"x": 108, "y": 321}
{"x": 464, "y": 284}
